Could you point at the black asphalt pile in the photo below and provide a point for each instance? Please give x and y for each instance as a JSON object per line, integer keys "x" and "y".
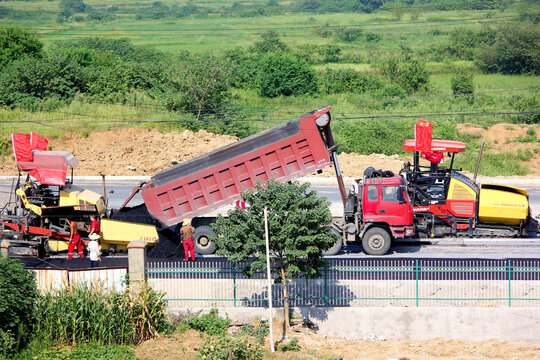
{"x": 136, "y": 214}
{"x": 168, "y": 238}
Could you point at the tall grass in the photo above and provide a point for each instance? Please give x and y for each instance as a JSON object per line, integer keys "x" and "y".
{"x": 88, "y": 313}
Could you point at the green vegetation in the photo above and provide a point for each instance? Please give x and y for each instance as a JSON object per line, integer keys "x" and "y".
{"x": 210, "y": 324}
{"x": 91, "y": 314}
{"x": 296, "y": 251}
{"x": 17, "y": 295}
{"x": 211, "y": 65}
{"x": 292, "y": 345}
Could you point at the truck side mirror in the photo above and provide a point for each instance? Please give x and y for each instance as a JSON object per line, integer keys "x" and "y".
{"x": 401, "y": 195}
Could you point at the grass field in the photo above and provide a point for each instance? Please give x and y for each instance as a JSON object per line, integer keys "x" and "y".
{"x": 497, "y": 97}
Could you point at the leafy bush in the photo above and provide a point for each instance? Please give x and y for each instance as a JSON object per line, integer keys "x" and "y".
{"x": 284, "y": 74}
{"x": 527, "y": 104}
{"x": 17, "y": 43}
{"x": 200, "y": 85}
{"x": 210, "y": 323}
{"x": 270, "y": 42}
{"x": 259, "y": 332}
{"x": 90, "y": 314}
{"x": 17, "y": 294}
{"x": 292, "y": 345}
{"x": 229, "y": 348}
{"x": 73, "y": 5}
{"x": 516, "y": 50}
{"x": 347, "y": 80}
{"x": 462, "y": 84}
{"x": 410, "y": 75}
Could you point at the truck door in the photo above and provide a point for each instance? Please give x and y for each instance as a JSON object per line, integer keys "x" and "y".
{"x": 394, "y": 208}
{"x": 370, "y": 203}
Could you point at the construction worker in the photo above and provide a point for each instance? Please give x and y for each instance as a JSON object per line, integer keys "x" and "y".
{"x": 187, "y": 239}
{"x": 94, "y": 228}
{"x": 74, "y": 239}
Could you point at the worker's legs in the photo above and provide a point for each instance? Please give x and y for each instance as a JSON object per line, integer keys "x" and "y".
{"x": 185, "y": 242}
{"x": 77, "y": 240}
{"x": 192, "y": 249}
{"x": 71, "y": 247}
{"x": 189, "y": 248}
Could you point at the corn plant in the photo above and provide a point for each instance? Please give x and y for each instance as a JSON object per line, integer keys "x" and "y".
{"x": 89, "y": 313}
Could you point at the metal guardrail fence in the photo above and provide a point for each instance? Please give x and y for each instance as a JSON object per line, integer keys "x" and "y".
{"x": 356, "y": 283}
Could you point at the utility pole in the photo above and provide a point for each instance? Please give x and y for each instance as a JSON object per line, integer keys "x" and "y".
{"x": 271, "y": 321}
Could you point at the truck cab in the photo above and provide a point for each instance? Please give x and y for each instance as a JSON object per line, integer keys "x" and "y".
{"x": 379, "y": 212}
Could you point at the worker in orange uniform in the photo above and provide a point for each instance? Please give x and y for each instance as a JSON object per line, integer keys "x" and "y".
{"x": 187, "y": 239}
{"x": 74, "y": 239}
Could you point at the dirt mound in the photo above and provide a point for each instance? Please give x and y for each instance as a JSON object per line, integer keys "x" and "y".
{"x": 502, "y": 138}
{"x": 143, "y": 152}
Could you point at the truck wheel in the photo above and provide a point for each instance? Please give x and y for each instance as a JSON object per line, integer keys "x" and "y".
{"x": 376, "y": 241}
{"x": 201, "y": 238}
{"x": 334, "y": 249}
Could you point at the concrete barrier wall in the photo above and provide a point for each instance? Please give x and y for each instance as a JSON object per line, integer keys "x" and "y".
{"x": 463, "y": 323}
{"x": 351, "y": 293}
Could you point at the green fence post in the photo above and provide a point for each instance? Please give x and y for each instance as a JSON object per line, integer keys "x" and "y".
{"x": 325, "y": 287}
{"x": 509, "y": 283}
{"x": 234, "y": 284}
{"x": 416, "y": 271}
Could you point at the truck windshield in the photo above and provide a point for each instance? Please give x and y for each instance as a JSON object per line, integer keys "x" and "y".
{"x": 389, "y": 193}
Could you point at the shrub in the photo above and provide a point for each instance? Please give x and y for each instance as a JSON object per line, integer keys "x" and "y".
{"x": 17, "y": 43}
{"x": 17, "y": 294}
{"x": 462, "y": 84}
{"x": 292, "y": 345}
{"x": 516, "y": 50}
{"x": 210, "y": 323}
{"x": 284, "y": 74}
{"x": 347, "y": 80}
{"x": 229, "y": 348}
{"x": 410, "y": 75}
{"x": 270, "y": 42}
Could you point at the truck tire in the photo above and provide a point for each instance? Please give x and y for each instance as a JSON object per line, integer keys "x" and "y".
{"x": 334, "y": 249}
{"x": 201, "y": 238}
{"x": 376, "y": 241}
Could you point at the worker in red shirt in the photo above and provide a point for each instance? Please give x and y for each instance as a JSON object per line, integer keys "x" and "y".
{"x": 74, "y": 239}
{"x": 94, "y": 228}
{"x": 187, "y": 239}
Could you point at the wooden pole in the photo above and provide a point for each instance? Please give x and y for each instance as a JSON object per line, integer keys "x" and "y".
{"x": 268, "y": 274}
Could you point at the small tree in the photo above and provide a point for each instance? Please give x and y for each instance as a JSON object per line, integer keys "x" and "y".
{"x": 17, "y": 43}
{"x": 462, "y": 84}
{"x": 282, "y": 74}
{"x": 297, "y": 224}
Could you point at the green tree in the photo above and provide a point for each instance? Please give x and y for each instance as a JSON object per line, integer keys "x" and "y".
{"x": 77, "y": 6}
{"x": 297, "y": 224}
{"x": 270, "y": 42}
{"x": 410, "y": 75}
{"x": 17, "y": 43}
{"x": 462, "y": 84}
{"x": 516, "y": 50}
{"x": 200, "y": 85}
{"x": 17, "y": 295}
{"x": 284, "y": 74}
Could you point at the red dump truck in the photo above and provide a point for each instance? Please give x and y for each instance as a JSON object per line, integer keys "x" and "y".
{"x": 427, "y": 202}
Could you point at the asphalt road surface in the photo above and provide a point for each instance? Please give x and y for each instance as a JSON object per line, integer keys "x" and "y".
{"x": 434, "y": 248}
